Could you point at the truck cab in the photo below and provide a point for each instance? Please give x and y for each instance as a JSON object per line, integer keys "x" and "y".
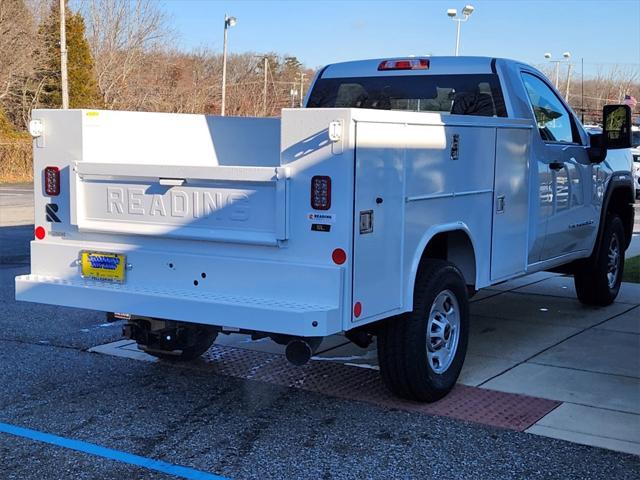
{"x": 401, "y": 188}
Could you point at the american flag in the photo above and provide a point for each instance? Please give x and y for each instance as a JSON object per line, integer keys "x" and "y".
{"x": 630, "y": 100}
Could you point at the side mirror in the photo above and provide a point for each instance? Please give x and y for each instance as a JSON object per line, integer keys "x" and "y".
{"x": 616, "y": 126}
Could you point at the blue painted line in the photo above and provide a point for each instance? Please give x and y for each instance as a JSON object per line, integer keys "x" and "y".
{"x": 99, "y": 451}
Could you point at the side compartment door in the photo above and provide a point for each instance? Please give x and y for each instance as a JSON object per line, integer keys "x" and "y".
{"x": 378, "y": 219}
{"x": 509, "y": 242}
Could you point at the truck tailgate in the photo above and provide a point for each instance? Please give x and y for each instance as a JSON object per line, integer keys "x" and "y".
{"x": 224, "y": 203}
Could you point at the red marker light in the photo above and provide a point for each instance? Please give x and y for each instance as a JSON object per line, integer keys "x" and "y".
{"x": 40, "y": 233}
{"x": 357, "y": 309}
{"x": 339, "y": 256}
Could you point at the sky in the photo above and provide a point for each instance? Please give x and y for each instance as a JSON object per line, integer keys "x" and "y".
{"x": 603, "y": 32}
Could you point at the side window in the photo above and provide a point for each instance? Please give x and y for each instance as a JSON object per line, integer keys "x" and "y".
{"x": 553, "y": 119}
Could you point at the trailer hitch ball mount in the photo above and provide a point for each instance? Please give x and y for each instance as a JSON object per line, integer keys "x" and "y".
{"x": 170, "y": 338}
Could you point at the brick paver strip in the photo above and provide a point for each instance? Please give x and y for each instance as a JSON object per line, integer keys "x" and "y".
{"x": 480, "y": 405}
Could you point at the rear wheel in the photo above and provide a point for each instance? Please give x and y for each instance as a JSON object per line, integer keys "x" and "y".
{"x": 598, "y": 281}
{"x": 421, "y": 353}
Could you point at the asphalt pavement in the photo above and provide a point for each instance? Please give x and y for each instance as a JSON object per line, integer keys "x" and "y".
{"x": 232, "y": 427}
{"x": 16, "y": 204}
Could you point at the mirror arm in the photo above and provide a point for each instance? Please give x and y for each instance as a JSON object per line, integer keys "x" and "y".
{"x": 597, "y": 149}
{"x": 597, "y": 154}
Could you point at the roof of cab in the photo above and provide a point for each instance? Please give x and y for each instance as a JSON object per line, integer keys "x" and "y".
{"x": 437, "y": 65}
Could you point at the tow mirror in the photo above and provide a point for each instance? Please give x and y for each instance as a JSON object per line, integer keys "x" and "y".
{"x": 616, "y": 126}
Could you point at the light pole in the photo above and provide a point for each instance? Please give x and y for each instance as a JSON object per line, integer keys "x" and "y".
{"x": 566, "y": 57}
{"x": 64, "y": 82}
{"x": 302, "y": 75}
{"x": 264, "y": 88}
{"x": 453, "y": 14}
{"x": 228, "y": 22}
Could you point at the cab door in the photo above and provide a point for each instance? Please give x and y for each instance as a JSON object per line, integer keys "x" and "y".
{"x": 570, "y": 222}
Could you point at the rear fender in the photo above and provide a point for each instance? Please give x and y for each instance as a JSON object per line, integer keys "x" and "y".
{"x": 469, "y": 268}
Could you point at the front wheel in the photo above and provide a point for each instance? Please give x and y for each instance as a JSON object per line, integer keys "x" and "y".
{"x": 421, "y": 352}
{"x": 598, "y": 281}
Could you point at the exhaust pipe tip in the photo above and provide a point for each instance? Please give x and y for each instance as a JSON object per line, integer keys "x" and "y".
{"x": 298, "y": 352}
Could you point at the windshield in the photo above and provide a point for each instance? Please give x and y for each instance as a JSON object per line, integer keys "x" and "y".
{"x": 635, "y": 138}
{"x": 457, "y": 94}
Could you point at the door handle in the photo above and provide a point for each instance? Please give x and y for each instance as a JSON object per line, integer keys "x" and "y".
{"x": 556, "y": 165}
{"x": 171, "y": 182}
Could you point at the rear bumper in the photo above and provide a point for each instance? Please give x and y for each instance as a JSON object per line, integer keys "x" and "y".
{"x": 260, "y": 314}
{"x": 269, "y": 295}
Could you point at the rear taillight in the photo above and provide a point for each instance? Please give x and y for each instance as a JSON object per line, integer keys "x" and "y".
{"x": 405, "y": 64}
{"x": 321, "y": 192}
{"x": 52, "y": 181}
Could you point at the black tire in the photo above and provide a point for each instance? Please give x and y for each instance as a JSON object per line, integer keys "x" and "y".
{"x": 405, "y": 366}
{"x": 592, "y": 281}
{"x": 203, "y": 343}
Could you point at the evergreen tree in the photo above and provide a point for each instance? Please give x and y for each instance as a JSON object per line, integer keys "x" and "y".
{"x": 83, "y": 87}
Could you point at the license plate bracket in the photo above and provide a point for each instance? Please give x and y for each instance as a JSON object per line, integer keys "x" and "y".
{"x": 103, "y": 266}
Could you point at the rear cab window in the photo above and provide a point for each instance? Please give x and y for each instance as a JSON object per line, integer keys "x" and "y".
{"x": 463, "y": 94}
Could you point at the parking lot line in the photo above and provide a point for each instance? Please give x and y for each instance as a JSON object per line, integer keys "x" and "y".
{"x": 104, "y": 452}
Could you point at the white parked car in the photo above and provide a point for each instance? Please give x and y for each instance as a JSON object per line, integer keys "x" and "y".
{"x": 404, "y": 186}
{"x": 635, "y": 151}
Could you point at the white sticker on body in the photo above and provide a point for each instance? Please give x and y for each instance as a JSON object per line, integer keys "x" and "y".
{"x": 322, "y": 217}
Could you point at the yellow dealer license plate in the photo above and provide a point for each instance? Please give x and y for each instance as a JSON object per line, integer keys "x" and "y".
{"x": 103, "y": 266}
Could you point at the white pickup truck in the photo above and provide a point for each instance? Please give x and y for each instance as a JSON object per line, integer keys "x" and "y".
{"x": 404, "y": 186}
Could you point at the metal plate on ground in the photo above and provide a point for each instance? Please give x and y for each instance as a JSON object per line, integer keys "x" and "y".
{"x": 489, "y": 407}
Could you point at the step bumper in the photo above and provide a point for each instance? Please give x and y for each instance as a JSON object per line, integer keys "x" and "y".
{"x": 273, "y": 315}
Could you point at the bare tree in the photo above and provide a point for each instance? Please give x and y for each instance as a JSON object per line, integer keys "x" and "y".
{"x": 121, "y": 33}
{"x": 16, "y": 43}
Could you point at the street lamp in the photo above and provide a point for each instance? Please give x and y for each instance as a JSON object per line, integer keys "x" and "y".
{"x": 566, "y": 58}
{"x": 228, "y": 23}
{"x": 453, "y": 14}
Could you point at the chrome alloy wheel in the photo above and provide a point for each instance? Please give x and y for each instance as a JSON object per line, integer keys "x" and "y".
{"x": 443, "y": 331}
{"x": 613, "y": 261}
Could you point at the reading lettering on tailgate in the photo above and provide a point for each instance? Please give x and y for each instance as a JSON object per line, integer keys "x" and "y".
{"x": 233, "y": 205}
{"x": 209, "y": 206}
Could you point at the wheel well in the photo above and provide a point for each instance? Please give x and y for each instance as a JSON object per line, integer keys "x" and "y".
{"x": 621, "y": 204}
{"x": 456, "y": 247}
